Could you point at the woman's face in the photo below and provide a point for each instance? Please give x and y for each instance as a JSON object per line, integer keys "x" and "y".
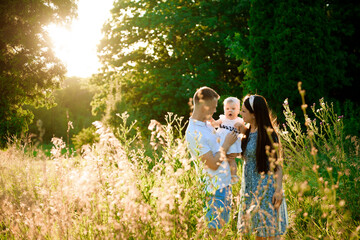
{"x": 247, "y": 116}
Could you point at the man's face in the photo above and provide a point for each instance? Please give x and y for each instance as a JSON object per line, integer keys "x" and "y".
{"x": 209, "y": 108}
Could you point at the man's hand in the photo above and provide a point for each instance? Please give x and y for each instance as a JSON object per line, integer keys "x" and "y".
{"x": 213, "y": 162}
{"x": 229, "y": 140}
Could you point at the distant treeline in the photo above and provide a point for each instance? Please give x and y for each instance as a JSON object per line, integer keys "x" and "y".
{"x": 72, "y": 104}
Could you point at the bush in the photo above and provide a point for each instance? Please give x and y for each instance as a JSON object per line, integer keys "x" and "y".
{"x": 87, "y": 136}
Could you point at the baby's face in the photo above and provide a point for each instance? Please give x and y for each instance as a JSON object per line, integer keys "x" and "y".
{"x": 231, "y": 110}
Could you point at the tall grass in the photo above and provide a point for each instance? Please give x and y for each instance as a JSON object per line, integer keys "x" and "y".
{"x": 322, "y": 180}
{"x": 124, "y": 188}
{"x": 113, "y": 191}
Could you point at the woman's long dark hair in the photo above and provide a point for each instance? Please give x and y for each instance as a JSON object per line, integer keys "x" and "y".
{"x": 263, "y": 121}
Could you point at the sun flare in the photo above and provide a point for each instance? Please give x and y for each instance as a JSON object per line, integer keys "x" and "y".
{"x": 76, "y": 45}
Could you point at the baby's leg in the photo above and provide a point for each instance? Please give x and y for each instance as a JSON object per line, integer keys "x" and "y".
{"x": 232, "y": 162}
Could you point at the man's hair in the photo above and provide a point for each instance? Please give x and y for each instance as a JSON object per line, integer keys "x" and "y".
{"x": 232, "y": 99}
{"x": 205, "y": 93}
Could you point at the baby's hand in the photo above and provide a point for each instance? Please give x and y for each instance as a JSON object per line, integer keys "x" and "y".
{"x": 214, "y": 123}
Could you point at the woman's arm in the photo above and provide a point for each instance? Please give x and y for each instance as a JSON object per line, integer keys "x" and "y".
{"x": 278, "y": 195}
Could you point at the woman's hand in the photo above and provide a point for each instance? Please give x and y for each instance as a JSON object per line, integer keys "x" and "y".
{"x": 277, "y": 199}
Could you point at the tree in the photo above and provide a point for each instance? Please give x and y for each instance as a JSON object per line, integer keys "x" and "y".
{"x": 291, "y": 41}
{"x": 29, "y": 71}
{"x": 156, "y": 54}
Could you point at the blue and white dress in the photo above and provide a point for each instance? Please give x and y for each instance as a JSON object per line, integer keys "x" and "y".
{"x": 257, "y": 214}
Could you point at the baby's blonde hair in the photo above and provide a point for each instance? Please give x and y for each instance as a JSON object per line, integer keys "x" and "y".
{"x": 232, "y": 99}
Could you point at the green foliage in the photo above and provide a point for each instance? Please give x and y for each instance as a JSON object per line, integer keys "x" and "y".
{"x": 87, "y": 136}
{"x": 350, "y": 111}
{"x": 291, "y": 41}
{"x": 29, "y": 70}
{"x": 72, "y": 104}
{"x": 156, "y": 55}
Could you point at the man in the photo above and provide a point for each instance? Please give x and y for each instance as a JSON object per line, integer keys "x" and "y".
{"x": 203, "y": 143}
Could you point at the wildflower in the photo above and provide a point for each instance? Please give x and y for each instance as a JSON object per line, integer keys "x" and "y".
{"x": 342, "y": 203}
{"x": 315, "y": 167}
{"x": 302, "y": 93}
{"x": 311, "y": 133}
{"x": 304, "y": 186}
{"x": 314, "y": 151}
{"x": 304, "y": 106}
{"x": 153, "y": 124}
{"x": 286, "y": 102}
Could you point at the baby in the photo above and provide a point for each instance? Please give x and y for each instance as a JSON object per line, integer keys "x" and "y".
{"x": 230, "y": 122}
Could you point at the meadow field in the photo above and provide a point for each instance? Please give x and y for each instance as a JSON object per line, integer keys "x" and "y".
{"x": 125, "y": 187}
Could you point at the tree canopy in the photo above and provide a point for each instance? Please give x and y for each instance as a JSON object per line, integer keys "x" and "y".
{"x": 309, "y": 41}
{"x": 29, "y": 71}
{"x": 157, "y": 53}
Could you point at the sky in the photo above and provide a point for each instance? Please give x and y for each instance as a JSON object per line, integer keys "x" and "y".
{"x": 76, "y": 45}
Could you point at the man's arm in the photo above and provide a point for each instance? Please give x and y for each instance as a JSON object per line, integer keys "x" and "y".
{"x": 214, "y": 161}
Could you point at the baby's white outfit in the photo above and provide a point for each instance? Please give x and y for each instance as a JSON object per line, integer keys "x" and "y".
{"x": 225, "y": 127}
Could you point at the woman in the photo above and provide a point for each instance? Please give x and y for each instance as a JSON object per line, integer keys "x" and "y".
{"x": 262, "y": 207}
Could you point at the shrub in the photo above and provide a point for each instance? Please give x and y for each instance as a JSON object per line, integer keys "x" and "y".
{"x": 84, "y": 137}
